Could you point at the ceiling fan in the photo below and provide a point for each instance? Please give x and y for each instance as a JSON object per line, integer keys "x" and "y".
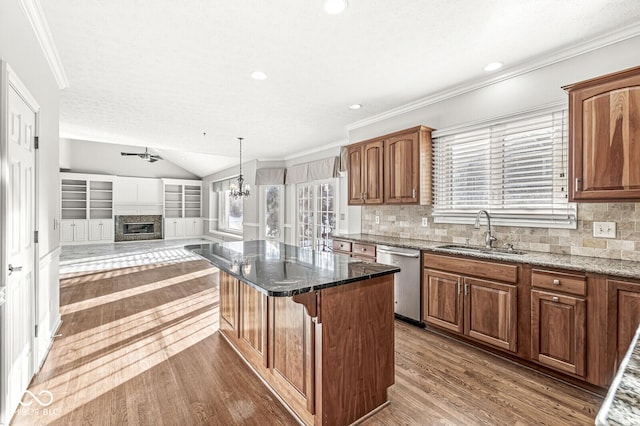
{"x": 152, "y": 158}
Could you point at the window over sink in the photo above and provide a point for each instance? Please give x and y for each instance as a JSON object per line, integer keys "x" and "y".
{"x": 515, "y": 168}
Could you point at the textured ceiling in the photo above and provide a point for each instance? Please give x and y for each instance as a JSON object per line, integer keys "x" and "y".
{"x": 161, "y": 73}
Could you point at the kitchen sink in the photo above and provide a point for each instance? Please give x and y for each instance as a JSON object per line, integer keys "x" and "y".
{"x": 477, "y": 249}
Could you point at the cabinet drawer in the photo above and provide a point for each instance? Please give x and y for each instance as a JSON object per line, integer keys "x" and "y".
{"x": 341, "y": 245}
{"x": 363, "y": 250}
{"x": 473, "y": 268}
{"x": 558, "y": 281}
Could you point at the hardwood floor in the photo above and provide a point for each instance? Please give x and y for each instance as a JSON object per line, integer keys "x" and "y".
{"x": 139, "y": 345}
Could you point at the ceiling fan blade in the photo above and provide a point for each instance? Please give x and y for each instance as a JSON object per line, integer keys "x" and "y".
{"x": 152, "y": 159}
{"x": 157, "y": 157}
{"x": 128, "y": 153}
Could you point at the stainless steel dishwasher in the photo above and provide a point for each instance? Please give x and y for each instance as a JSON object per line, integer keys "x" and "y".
{"x": 406, "y": 282}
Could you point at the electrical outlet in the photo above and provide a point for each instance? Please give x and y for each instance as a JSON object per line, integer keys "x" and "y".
{"x": 604, "y": 229}
{"x": 425, "y": 221}
{"x": 341, "y": 216}
{"x": 377, "y": 220}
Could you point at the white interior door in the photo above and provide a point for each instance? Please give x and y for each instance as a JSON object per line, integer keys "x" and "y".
{"x": 19, "y": 273}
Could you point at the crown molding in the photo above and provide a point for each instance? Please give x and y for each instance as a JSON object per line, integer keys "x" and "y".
{"x": 317, "y": 149}
{"x": 38, "y": 21}
{"x": 560, "y": 55}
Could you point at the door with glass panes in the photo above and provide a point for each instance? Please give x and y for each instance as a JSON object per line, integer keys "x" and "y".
{"x": 316, "y": 215}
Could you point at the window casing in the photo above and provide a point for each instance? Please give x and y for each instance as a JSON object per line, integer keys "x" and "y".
{"x": 514, "y": 168}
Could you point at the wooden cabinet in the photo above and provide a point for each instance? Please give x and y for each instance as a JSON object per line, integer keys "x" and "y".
{"x": 559, "y": 321}
{"x": 362, "y": 251}
{"x": 491, "y": 313}
{"x": 558, "y": 331}
{"x": 442, "y": 300}
{"x": 604, "y": 130}
{"x": 366, "y": 173}
{"x": 391, "y": 169}
{"x": 402, "y": 167}
{"x": 485, "y": 310}
{"x": 623, "y": 315}
{"x": 229, "y": 304}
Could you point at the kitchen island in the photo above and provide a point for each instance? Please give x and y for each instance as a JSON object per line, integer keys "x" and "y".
{"x": 318, "y": 328}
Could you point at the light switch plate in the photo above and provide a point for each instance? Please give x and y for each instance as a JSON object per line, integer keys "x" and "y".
{"x": 425, "y": 221}
{"x": 604, "y": 229}
{"x": 377, "y": 219}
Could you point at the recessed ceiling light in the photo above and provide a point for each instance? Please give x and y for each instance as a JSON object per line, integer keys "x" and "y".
{"x": 333, "y": 7}
{"x": 493, "y": 66}
{"x": 355, "y": 106}
{"x": 258, "y": 75}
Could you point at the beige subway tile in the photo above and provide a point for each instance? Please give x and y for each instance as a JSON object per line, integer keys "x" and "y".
{"x": 595, "y": 243}
{"x": 608, "y": 254}
{"x": 630, "y": 255}
{"x": 545, "y": 248}
{"x": 583, "y": 251}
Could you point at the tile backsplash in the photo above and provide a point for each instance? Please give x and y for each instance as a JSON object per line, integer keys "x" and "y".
{"x": 405, "y": 222}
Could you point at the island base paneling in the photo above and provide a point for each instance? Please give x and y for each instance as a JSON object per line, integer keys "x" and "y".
{"x": 328, "y": 354}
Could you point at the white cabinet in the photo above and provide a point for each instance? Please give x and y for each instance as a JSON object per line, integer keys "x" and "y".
{"x": 174, "y": 227}
{"x": 101, "y": 230}
{"x": 193, "y": 227}
{"x": 73, "y": 230}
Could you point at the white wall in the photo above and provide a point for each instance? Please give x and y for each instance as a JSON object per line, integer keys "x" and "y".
{"x": 523, "y": 92}
{"x": 104, "y": 158}
{"x": 21, "y": 50}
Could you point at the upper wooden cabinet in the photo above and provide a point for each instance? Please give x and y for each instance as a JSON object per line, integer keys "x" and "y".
{"x": 604, "y": 138}
{"x": 393, "y": 169}
{"x": 365, "y": 173}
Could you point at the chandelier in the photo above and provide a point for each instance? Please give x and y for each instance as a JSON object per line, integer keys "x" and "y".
{"x": 240, "y": 190}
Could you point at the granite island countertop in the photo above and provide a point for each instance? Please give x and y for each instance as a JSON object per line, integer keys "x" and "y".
{"x": 622, "y": 404}
{"x": 281, "y": 270}
{"x": 618, "y": 268}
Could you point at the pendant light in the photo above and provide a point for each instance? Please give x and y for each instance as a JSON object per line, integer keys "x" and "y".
{"x": 240, "y": 190}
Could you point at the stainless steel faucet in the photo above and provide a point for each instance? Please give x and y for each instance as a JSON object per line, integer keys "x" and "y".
{"x": 488, "y": 239}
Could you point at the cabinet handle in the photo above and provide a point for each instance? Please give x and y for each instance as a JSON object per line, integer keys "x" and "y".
{"x": 458, "y": 287}
{"x": 13, "y": 269}
{"x": 466, "y": 289}
{"x": 413, "y": 193}
{"x": 556, "y": 282}
{"x": 555, "y": 299}
{"x": 578, "y": 180}
{"x": 364, "y": 195}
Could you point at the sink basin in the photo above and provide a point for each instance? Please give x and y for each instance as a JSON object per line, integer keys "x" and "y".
{"x": 476, "y": 249}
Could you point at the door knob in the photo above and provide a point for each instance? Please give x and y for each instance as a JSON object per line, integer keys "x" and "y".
{"x": 14, "y": 269}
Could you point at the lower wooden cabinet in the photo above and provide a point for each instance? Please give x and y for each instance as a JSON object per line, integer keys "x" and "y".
{"x": 442, "y": 300}
{"x": 624, "y": 312}
{"x": 491, "y": 313}
{"x": 484, "y": 310}
{"x": 558, "y": 331}
{"x": 229, "y": 309}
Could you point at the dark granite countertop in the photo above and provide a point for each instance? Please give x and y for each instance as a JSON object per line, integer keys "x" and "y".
{"x": 622, "y": 404}
{"x": 618, "y": 268}
{"x": 281, "y": 270}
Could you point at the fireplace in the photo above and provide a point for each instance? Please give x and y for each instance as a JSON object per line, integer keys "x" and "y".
{"x": 138, "y": 227}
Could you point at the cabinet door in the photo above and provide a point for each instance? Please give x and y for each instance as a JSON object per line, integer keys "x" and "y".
{"x": 80, "y": 230}
{"x": 402, "y": 169}
{"x": 558, "y": 325}
{"x": 66, "y": 231}
{"x": 253, "y": 324}
{"x": 491, "y": 312}
{"x": 169, "y": 228}
{"x": 604, "y": 130}
{"x": 193, "y": 227}
{"x": 442, "y": 300}
{"x": 624, "y": 312}
{"x": 373, "y": 166}
{"x": 107, "y": 230}
{"x": 228, "y": 304}
{"x": 356, "y": 189}
{"x": 179, "y": 227}
{"x": 95, "y": 230}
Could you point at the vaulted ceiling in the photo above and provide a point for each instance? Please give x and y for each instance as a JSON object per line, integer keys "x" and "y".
{"x": 175, "y": 75}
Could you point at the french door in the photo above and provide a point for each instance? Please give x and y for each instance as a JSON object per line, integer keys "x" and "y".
{"x": 317, "y": 211}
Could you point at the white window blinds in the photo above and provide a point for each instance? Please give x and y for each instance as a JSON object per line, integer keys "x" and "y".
{"x": 514, "y": 168}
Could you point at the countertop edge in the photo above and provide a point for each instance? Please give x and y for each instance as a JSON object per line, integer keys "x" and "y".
{"x": 605, "y": 408}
